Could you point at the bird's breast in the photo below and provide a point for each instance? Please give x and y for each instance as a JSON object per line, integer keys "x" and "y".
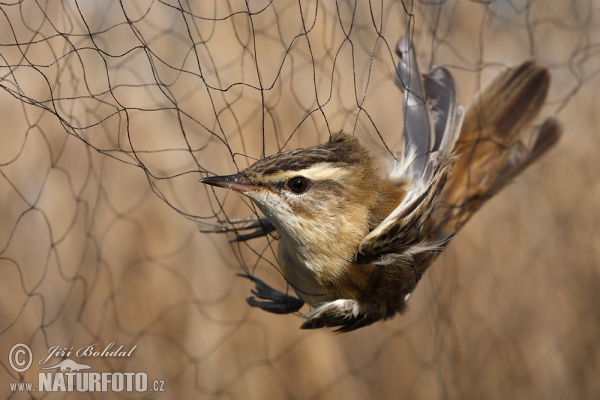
{"x": 318, "y": 260}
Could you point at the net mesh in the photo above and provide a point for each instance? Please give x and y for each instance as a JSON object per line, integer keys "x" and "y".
{"x": 112, "y": 110}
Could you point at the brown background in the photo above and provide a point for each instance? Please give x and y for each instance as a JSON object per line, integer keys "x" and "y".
{"x": 104, "y": 137}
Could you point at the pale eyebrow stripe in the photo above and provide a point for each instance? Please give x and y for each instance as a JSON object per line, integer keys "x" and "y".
{"x": 320, "y": 171}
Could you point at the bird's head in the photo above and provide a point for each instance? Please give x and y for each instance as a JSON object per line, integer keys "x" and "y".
{"x": 311, "y": 191}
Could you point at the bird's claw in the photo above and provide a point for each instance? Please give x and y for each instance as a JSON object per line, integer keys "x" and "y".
{"x": 261, "y": 226}
{"x": 279, "y": 303}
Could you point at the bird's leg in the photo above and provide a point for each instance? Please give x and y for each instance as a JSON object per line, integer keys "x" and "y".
{"x": 261, "y": 226}
{"x": 280, "y": 303}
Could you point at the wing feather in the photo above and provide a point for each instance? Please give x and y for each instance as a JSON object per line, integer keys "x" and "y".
{"x": 447, "y": 115}
{"x": 432, "y": 126}
{"x": 419, "y": 134}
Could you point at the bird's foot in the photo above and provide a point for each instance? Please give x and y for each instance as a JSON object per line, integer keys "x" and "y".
{"x": 279, "y": 303}
{"x": 345, "y": 314}
{"x": 261, "y": 226}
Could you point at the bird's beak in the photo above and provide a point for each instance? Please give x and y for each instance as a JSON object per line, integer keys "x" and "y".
{"x": 235, "y": 182}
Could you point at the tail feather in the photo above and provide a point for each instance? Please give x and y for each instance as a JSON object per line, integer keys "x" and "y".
{"x": 519, "y": 159}
{"x": 508, "y": 104}
{"x": 492, "y": 146}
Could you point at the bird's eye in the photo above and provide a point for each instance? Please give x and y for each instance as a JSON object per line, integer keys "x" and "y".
{"x": 298, "y": 184}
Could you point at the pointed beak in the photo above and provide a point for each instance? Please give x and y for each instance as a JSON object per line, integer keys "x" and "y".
{"x": 234, "y": 182}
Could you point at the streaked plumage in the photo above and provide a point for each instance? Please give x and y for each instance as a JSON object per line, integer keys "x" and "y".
{"x": 354, "y": 245}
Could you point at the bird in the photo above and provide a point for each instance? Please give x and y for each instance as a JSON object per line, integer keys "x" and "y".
{"x": 354, "y": 244}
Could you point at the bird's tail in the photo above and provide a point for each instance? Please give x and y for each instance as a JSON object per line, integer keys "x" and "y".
{"x": 495, "y": 144}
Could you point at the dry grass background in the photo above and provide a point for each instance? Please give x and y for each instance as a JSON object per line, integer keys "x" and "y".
{"x": 105, "y": 135}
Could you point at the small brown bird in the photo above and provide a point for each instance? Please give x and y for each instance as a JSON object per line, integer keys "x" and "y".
{"x": 353, "y": 245}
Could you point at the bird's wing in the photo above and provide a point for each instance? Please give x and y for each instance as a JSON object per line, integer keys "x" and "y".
{"x": 447, "y": 115}
{"x": 432, "y": 124}
{"x": 419, "y": 133}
